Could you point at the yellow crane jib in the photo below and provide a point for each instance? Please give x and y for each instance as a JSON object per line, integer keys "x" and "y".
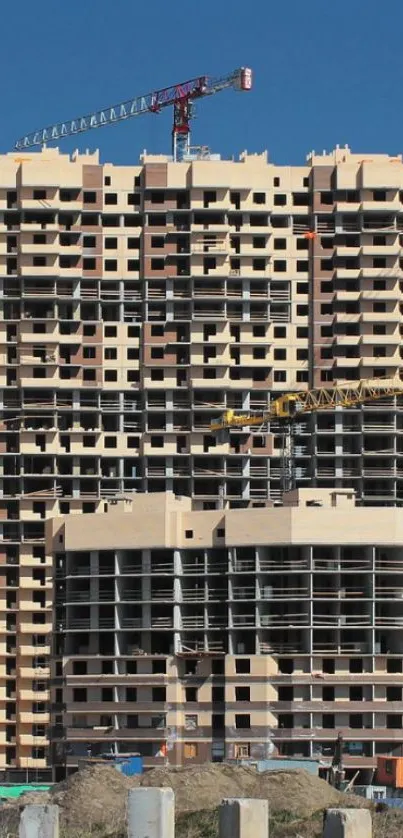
{"x": 289, "y": 406}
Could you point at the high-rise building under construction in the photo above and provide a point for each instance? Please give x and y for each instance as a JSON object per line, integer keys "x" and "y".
{"x": 138, "y": 302}
{"x": 191, "y": 636}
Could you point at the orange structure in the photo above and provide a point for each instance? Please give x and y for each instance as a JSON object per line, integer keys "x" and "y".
{"x": 390, "y": 771}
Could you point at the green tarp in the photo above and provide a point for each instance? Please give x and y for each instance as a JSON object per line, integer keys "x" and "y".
{"x": 16, "y": 791}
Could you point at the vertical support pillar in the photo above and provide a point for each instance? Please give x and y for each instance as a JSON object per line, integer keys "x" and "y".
{"x": 177, "y": 600}
{"x": 94, "y": 590}
{"x": 244, "y": 818}
{"x": 146, "y": 634}
{"x": 347, "y": 823}
{"x": 39, "y": 822}
{"x": 338, "y": 419}
{"x": 151, "y": 813}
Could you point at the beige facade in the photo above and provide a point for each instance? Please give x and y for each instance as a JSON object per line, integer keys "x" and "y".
{"x": 190, "y": 635}
{"x": 138, "y": 302}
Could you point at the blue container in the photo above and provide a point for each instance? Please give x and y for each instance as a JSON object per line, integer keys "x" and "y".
{"x": 129, "y": 765}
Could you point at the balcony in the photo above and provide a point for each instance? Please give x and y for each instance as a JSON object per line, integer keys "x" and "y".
{"x": 34, "y": 695}
{"x": 244, "y": 620}
{"x": 387, "y": 225}
{"x": 211, "y": 227}
{"x": 32, "y": 249}
{"x": 389, "y": 273}
{"x": 343, "y": 251}
{"x": 338, "y": 706}
{"x": 84, "y": 624}
{"x": 347, "y": 296}
{"x": 348, "y": 207}
{"x": 192, "y": 623}
{"x": 390, "y": 205}
{"x": 194, "y": 595}
{"x": 241, "y": 593}
{"x": 34, "y": 718}
{"x": 352, "y": 340}
{"x": 348, "y": 273}
{"x": 43, "y": 270}
{"x": 387, "y": 361}
{"x": 384, "y": 733}
{"x": 38, "y": 290}
{"x": 38, "y": 227}
{"x": 209, "y": 246}
{"x": 379, "y": 317}
{"x": 370, "y": 294}
{"x": 114, "y": 707}
{"x": 344, "y": 361}
{"x": 32, "y": 741}
{"x": 286, "y": 593}
{"x": 343, "y": 317}
{"x": 86, "y": 596}
{"x": 379, "y": 250}
{"x": 102, "y": 734}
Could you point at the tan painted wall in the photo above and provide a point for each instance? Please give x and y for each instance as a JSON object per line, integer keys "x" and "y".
{"x": 158, "y": 520}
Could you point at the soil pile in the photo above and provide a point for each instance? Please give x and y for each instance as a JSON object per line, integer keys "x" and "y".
{"x": 96, "y": 796}
{"x": 93, "y": 801}
{"x": 204, "y": 786}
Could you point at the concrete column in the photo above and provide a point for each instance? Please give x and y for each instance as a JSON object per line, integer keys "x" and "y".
{"x": 246, "y": 400}
{"x": 39, "y": 822}
{"x": 151, "y": 813}
{"x": 244, "y": 818}
{"x": 347, "y": 823}
{"x": 94, "y": 589}
{"x": 338, "y": 451}
{"x": 146, "y": 597}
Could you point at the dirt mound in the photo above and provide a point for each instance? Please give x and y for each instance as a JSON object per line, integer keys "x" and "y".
{"x": 96, "y": 796}
{"x": 302, "y": 793}
{"x": 204, "y": 786}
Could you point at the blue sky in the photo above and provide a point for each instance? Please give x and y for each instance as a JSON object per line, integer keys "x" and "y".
{"x": 325, "y": 72}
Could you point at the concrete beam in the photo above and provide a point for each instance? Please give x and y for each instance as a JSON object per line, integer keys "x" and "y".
{"x": 39, "y": 822}
{"x": 244, "y": 818}
{"x": 151, "y": 813}
{"x": 347, "y": 823}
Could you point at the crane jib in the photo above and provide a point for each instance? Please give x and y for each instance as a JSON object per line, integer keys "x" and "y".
{"x": 85, "y": 123}
{"x": 240, "y": 79}
{"x": 149, "y": 103}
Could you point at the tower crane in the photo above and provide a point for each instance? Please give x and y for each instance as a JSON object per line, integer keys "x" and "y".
{"x": 180, "y": 96}
{"x": 288, "y": 408}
